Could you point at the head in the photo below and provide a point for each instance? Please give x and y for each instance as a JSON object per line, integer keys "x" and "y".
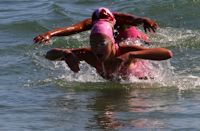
{"x": 103, "y": 13}
{"x": 101, "y": 37}
{"x": 102, "y": 46}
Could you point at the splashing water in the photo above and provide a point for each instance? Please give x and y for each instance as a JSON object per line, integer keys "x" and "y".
{"x": 88, "y": 74}
{"x": 163, "y": 72}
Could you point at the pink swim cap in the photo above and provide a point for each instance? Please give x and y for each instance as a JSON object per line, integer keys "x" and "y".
{"x": 103, "y": 13}
{"x": 103, "y": 27}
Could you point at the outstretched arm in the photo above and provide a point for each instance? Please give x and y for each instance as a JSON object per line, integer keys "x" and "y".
{"x": 132, "y": 52}
{"x": 72, "y": 57}
{"x": 65, "y": 31}
{"x": 152, "y": 54}
{"x": 128, "y": 19}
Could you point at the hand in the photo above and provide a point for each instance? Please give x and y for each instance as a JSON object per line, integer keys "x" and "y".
{"x": 64, "y": 55}
{"x": 43, "y": 38}
{"x": 72, "y": 61}
{"x": 55, "y": 54}
{"x": 149, "y": 25}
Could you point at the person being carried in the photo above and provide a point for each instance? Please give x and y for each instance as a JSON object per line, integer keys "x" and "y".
{"x": 108, "y": 54}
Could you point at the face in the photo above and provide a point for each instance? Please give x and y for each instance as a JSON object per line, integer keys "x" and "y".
{"x": 101, "y": 46}
{"x": 103, "y": 13}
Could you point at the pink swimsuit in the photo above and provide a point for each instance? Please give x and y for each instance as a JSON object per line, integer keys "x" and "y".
{"x": 131, "y": 33}
{"x": 105, "y": 26}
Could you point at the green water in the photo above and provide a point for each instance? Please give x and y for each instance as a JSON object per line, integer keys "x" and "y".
{"x": 37, "y": 94}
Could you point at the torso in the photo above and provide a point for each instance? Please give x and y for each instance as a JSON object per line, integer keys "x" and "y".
{"x": 114, "y": 69}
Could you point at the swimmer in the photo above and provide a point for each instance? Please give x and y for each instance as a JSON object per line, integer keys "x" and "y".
{"x": 125, "y": 26}
{"x": 111, "y": 59}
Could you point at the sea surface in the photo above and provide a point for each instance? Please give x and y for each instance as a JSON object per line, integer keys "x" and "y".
{"x": 41, "y": 95}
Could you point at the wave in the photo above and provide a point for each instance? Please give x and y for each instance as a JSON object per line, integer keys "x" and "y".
{"x": 165, "y": 77}
{"x": 161, "y": 71}
{"x": 176, "y": 37}
{"x": 167, "y": 73}
{"x": 23, "y": 27}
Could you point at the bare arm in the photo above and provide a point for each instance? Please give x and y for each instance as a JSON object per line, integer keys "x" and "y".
{"x": 152, "y": 54}
{"x": 76, "y": 28}
{"x": 132, "y": 52}
{"x": 128, "y": 19}
{"x": 72, "y": 57}
{"x": 85, "y": 54}
{"x": 65, "y": 31}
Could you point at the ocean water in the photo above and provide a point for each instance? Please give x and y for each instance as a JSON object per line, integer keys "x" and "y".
{"x": 37, "y": 94}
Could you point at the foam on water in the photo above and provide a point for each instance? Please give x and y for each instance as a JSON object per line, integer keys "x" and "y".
{"x": 86, "y": 74}
{"x": 184, "y": 43}
{"x": 175, "y": 37}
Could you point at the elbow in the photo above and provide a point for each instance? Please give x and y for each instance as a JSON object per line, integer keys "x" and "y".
{"x": 170, "y": 54}
{"x": 165, "y": 55}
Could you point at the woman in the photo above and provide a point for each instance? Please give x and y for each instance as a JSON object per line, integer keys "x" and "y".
{"x": 111, "y": 58}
